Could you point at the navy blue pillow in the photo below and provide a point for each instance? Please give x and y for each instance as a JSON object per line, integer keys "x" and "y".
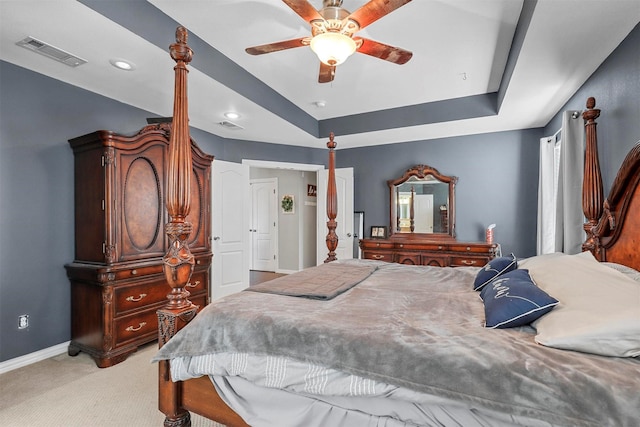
{"x": 513, "y": 299}
{"x": 493, "y": 269}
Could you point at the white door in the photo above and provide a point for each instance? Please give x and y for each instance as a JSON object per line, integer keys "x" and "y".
{"x": 423, "y": 203}
{"x": 263, "y": 228}
{"x": 229, "y": 220}
{"x": 344, "y": 217}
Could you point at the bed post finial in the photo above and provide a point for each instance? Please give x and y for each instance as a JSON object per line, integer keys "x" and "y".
{"x": 592, "y": 193}
{"x": 332, "y": 202}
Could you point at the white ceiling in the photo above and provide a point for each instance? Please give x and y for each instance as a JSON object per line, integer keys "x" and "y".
{"x": 461, "y": 49}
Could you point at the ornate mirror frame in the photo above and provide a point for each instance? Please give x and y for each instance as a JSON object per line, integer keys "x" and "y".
{"x": 422, "y": 173}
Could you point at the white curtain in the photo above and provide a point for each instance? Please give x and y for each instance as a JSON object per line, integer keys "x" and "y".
{"x": 560, "y": 215}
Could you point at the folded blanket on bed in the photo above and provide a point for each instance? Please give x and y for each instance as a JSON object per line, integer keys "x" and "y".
{"x": 322, "y": 282}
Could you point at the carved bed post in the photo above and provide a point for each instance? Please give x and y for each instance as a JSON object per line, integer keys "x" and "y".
{"x": 592, "y": 192}
{"x": 178, "y": 262}
{"x": 332, "y": 202}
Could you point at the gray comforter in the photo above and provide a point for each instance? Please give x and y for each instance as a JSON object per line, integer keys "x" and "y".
{"x": 422, "y": 328}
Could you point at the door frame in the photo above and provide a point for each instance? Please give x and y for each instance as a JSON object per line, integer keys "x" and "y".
{"x": 268, "y": 164}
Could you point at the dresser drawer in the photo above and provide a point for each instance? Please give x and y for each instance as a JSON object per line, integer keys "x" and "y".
{"x": 378, "y": 255}
{"x": 198, "y": 282}
{"x": 468, "y": 261}
{"x": 139, "y": 295}
{"x": 200, "y": 300}
{"x": 408, "y": 258}
{"x": 135, "y": 327}
{"x": 434, "y": 260}
{"x": 142, "y": 294}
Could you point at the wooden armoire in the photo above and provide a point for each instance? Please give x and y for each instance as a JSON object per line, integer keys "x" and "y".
{"x": 117, "y": 279}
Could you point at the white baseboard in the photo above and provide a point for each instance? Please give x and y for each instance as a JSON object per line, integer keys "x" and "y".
{"x": 36, "y": 356}
{"x": 281, "y": 271}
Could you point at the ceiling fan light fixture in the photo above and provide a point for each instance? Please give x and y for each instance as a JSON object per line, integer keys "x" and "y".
{"x": 333, "y": 48}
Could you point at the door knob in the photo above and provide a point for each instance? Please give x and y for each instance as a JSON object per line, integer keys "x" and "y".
{"x": 216, "y": 238}
{"x": 348, "y": 234}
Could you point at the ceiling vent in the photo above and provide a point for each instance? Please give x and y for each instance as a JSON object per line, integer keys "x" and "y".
{"x": 52, "y": 52}
{"x": 230, "y": 125}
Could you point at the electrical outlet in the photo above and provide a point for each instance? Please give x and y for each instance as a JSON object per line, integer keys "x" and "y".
{"x": 23, "y": 321}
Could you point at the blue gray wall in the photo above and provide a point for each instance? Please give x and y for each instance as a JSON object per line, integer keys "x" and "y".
{"x": 497, "y": 179}
{"x": 497, "y": 182}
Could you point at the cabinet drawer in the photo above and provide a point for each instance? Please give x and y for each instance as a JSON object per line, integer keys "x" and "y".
{"x": 462, "y": 261}
{"x": 139, "y": 295}
{"x": 136, "y": 326}
{"x": 434, "y": 261}
{"x": 200, "y": 300}
{"x": 198, "y": 282}
{"x": 142, "y": 294}
{"x": 378, "y": 256}
{"x": 408, "y": 258}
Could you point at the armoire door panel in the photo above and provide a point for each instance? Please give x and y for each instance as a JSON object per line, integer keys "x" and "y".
{"x": 89, "y": 195}
{"x": 143, "y": 218}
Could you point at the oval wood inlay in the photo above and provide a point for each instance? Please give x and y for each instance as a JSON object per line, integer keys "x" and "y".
{"x": 142, "y": 204}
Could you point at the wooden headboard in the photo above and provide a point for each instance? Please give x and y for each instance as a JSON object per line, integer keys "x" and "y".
{"x": 613, "y": 225}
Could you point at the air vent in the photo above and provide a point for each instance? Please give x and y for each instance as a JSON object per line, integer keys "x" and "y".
{"x": 52, "y": 52}
{"x": 230, "y": 125}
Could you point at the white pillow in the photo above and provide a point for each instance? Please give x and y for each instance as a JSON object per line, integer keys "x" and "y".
{"x": 599, "y": 309}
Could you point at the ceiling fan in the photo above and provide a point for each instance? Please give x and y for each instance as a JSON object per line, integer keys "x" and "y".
{"x": 332, "y": 34}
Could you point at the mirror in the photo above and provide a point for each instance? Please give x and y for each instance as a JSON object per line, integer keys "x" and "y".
{"x": 422, "y": 201}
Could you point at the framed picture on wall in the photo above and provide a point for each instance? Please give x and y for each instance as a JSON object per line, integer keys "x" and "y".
{"x": 378, "y": 232}
{"x": 312, "y": 190}
{"x": 287, "y": 204}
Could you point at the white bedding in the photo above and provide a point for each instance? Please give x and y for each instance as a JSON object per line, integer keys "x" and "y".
{"x": 304, "y": 394}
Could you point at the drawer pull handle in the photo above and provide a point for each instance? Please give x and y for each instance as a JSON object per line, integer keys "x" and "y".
{"x": 134, "y": 272}
{"x": 468, "y": 248}
{"x": 140, "y": 326}
{"x": 401, "y": 245}
{"x": 195, "y": 284}
{"x": 468, "y": 262}
{"x": 377, "y": 245}
{"x": 134, "y": 299}
{"x": 439, "y": 248}
{"x": 378, "y": 256}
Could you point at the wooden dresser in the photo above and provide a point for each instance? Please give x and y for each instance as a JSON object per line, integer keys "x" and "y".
{"x": 117, "y": 278}
{"x": 422, "y": 251}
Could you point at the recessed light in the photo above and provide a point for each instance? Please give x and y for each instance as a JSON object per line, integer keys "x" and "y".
{"x": 320, "y": 104}
{"x": 122, "y": 64}
{"x": 232, "y": 115}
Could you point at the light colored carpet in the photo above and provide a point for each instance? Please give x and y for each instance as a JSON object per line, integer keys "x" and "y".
{"x": 69, "y": 391}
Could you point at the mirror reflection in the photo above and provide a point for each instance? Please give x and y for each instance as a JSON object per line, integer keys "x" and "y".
{"x": 422, "y": 201}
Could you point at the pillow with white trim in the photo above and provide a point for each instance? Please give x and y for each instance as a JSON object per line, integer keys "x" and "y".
{"x": 493, "y": 269}
{"x": 599, "y": 311}
{"x": 513, "y": 299}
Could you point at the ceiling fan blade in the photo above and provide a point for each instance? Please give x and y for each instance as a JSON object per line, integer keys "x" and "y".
{"x": 304, "y": 9}
{"x": 327, "y": 73}
{"x": 274, "y": 47}
{"x": 388, "y": 53}
{"x": 374, "y": 10}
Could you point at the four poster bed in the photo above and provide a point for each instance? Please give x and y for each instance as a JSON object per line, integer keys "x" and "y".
{"x": 366, "y": 343}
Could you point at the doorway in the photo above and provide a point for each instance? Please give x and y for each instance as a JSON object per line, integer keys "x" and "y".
{"x": 295, "y": 230}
